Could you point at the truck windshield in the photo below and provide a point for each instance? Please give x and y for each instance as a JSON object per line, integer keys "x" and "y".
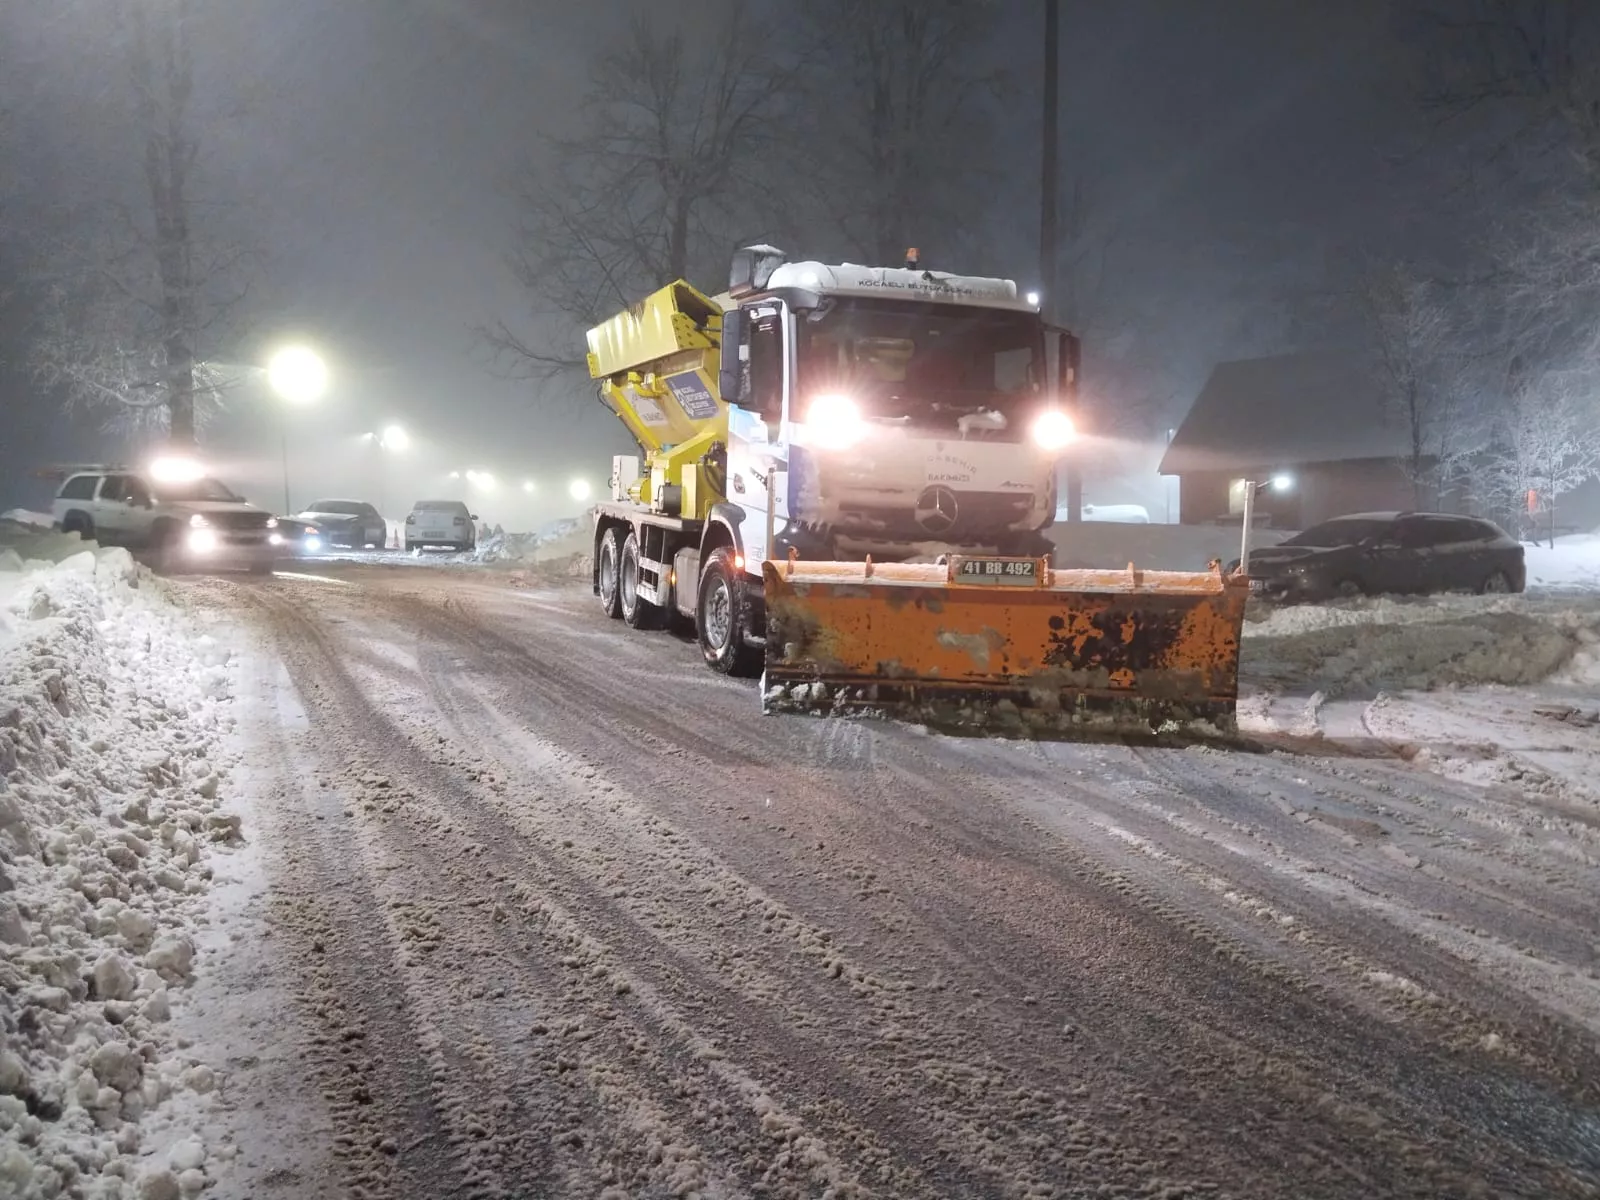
{"x": 925, "y": 364}
{"x": 195, "y": 489}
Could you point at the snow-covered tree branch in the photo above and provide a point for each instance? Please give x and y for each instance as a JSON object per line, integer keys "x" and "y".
{"x": 1422, "y": 362}
{"x": 1546, "y": 445}
{"x": 136, "y": 294}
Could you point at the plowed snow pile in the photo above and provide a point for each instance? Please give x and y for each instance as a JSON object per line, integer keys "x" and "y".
{"x": 110, "y": 707}
{"x": 1386, "y": 644}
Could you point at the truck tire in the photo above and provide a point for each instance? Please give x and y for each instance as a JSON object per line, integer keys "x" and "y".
{"x": 609, "y": 572}
{"x": 636, "y": 611}
{"x": 720, "y": 618}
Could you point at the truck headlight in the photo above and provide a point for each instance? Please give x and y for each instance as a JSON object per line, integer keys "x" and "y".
{"x": 202, "y": 541}
{"x": 1052, "y": 429}
{"x": 835, "y": 422}
{"x": 198, "y": 520}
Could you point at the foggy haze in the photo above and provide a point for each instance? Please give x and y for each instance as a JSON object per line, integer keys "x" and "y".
{"x": 1225, "y": 156}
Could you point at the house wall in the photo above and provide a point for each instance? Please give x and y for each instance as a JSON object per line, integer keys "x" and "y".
{"x": 1320, "y": 491}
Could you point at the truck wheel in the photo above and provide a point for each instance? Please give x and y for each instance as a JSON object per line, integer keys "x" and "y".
{"x": 610, "y": 572}
{"x": 720, "y": 618}
{"x": 637, "y": 612}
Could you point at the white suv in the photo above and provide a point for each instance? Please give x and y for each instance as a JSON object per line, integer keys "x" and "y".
{"x": 195, "y": 521}
{"x": 441, "y": 523}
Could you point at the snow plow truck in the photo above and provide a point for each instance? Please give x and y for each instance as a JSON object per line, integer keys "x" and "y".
{"x": 844, "y": 479}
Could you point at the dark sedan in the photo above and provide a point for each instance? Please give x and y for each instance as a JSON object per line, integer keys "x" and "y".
{"x": 352, "y": 523}
{"x": 1394, "y": 553}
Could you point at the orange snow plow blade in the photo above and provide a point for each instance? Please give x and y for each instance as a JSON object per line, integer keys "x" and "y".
{"x": 1008, "y": 645}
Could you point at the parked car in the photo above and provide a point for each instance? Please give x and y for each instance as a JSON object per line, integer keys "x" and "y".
{"x": 352, "y": 523}
{"x": 1405, "y": 553}
{"x": 441, "y": 523}
{"x": 176, "y": 517}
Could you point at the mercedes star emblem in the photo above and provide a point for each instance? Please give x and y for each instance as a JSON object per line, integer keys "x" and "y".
{"x": 936, "y": 509}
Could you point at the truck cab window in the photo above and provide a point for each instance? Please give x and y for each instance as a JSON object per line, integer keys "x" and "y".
{"x": 765, "y": 394}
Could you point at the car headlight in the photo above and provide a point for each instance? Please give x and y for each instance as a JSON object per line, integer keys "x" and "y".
{"x": 1052, "y": 429}
{"x": 835, "y": 422}
{"x": 313, "y": 542}
{"x": 274, "y": 539}
{"x": 198, "y": 520}
{"x": 272, "y": 522}
{"x": 202, "y": 541}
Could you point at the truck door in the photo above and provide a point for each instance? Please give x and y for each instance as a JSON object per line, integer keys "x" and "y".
{"x": 757, "y": 453}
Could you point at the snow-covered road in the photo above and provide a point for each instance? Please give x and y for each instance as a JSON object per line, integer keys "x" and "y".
{"x": 568, "y": 917}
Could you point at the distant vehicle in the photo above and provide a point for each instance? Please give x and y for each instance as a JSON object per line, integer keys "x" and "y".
{"x": 441, "y": 523}
{"x": 352, "y": 523}
{"x": 172, "y": 513}
{"x": 1402, "y": 553}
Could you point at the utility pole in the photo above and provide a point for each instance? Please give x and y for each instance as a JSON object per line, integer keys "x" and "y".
{"x": 1049, "y": 210}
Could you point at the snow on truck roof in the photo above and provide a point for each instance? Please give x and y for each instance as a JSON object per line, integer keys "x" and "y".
{"x": 899, "y": 283}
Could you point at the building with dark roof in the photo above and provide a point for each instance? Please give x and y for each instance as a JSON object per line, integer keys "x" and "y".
{"x": 1316, "y": 417}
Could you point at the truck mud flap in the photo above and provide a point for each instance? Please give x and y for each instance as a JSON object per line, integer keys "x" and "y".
{"x": 1007, "y": 646}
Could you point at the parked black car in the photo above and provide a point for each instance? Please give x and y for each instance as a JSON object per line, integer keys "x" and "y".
{"x": 352, "y": 523}
{"x": 1375, "y": 553}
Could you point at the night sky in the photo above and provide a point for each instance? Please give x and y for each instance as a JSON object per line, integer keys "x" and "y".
{"x": 1230, "y": 149}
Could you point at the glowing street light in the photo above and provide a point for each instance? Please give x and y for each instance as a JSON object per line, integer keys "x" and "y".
{"x": 298, "y": 374}
{"x": 394, "y": 438}
{"x": 527, "y": 486}
{"x": 579, "y": 489}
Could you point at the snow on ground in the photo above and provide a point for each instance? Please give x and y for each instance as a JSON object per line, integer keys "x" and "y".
{"x": 111, "y": 710}
{"x": 1573, "y": 564}
{"x": 1498, "y": 691}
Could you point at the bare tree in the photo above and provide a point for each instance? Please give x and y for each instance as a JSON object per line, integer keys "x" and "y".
{"x": 1528, "y": 68}
{"x": 1546, "y": 445}
{"x": 1421, "y": 363}
{"x": 137, "y": 292}
{"x": 896, "y": 127}
{"x": 668, "y": 175}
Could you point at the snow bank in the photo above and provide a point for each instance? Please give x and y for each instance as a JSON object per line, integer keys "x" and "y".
{"x": 1573, "y": 564}
{"x": 110, "y": 707}
{"x": 21, "y": 516}
{"x": 1387, "y": 644}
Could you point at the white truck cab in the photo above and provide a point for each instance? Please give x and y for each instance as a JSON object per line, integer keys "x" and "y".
{"x": 889, "y": 411}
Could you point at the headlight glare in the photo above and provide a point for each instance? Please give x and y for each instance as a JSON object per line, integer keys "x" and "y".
{"x": 1052, "y": 430}
{"x": 835, "y": 422}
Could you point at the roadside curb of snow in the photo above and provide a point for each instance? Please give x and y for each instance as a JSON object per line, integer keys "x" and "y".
{"x": 111, "y": 711}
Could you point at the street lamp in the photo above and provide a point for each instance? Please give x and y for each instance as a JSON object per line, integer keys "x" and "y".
{"x": 394, "y": 438}
{"x": 1281, "y": 482}
{"x": 527, "y": 486}
{"x": 299, "y": 376}
{"x": 579, "y": 490}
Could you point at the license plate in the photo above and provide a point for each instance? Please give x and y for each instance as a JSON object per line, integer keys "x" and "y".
{"x": 998, "y": 570}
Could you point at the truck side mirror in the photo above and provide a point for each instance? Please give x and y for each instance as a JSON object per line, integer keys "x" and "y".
{"x": 730, "y": 378}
